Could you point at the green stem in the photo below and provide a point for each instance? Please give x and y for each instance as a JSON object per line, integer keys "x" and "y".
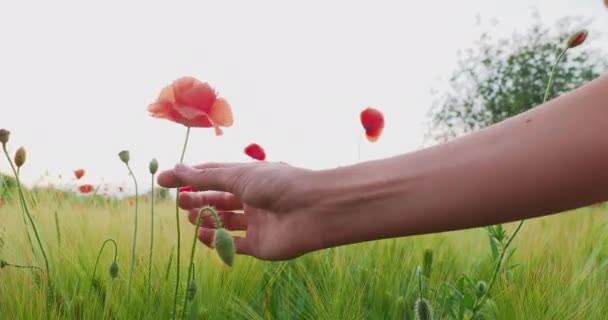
{"x": 181, "y": 160}
{"x": 29, "y": 216}
{"x": 550, "y": 82}
{"x": 151, "y": 238}
{"x": 107, "y": 302}
{"x": 92, "y": 197}
{"x": 57, "y": 229}
{"x": 419, "y": 282}
{"x": 169, "y": 265}
{"x": 359, "y": 150}
{"x": 218, "y": 222}
{"x": 27, "y": 231}
{"x": 499, "y": 263}
{"x": 97, "y": 261}
{"x": 134, "y": 238}
{"x": 22, "y": 267}
{"x": 198, "y": 225}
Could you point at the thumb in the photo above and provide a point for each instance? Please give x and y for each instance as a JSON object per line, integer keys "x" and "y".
{"x": 224, "y": 179}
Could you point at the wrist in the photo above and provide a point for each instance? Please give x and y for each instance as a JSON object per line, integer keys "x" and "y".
{"x": 362, "y": 202}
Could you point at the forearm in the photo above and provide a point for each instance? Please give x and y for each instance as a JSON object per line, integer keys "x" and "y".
{"x": 550, "y": 159}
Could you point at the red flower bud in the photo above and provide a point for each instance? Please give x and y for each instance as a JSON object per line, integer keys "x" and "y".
{"x": 577, "y": 39}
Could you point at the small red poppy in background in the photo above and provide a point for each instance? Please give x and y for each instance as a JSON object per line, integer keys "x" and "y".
{"x": 145, "y": 198}
{"x": 131, "y": 202}
{"x": 1, "y": 202}
{"x": 186, "y": 189}
{"x": 255, "y": 151}
{"x": 85, "y": 188}
{"x": 372, "y": 121}
{"x": 192, "y": 103}
{"x": 78, "y": 173}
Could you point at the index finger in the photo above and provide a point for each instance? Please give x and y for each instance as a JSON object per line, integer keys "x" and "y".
{"x": 168, "y": 178}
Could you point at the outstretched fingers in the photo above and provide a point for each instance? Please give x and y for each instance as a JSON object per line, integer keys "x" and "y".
{"x": 203, "y": 177}
{"x": 219, "y": 200}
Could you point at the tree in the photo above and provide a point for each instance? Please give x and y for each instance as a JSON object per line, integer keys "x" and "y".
{"x": 499, "y": 79}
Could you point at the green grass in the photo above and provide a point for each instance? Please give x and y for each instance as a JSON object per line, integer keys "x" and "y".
{"x": 561, "y": 273}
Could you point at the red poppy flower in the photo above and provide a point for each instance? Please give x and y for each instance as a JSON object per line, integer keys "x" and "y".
{"x": 1, "y": 202}
{"x": 131, "y": 202}
{"x": 186, "y": 189}
{"x": 145, "y": 198}
{"x": 194, "y": 104}
{"x": 372, "y": 121}
{"x": 85, "y": 188}
{"x": 577, "y": 38}
{"x": 255, "y": 151}
{"x": 79, "y": 173}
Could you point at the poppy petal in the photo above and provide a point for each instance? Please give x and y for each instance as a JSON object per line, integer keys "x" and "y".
{"x": 255, "y": 151}
{"x": 373, "y": 135}
{"x": 221, "y": 113}
{"x": 191, "y": 92}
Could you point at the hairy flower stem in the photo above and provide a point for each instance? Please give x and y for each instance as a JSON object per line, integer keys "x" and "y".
{"x": 177, "y": 258}
{"x": 27, "y": 231}
{"x": 499, "y": 263}
{"x": 552, "y": 75}
{"x": 480, "y": 302}
{"x": 134, "y": 237}
{"x": 29, "y": 216}
{"x": 97, "y": 262}
{"x": 191, "y": 264}
{"x": 151, "y": 238}
{"x": 107, "y": 300}
{"x": 419, "y": 272}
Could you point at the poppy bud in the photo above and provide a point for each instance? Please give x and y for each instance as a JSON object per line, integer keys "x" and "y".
{"x": 191, "y": 290}
{"x": 224, "y": 245}
{"x": 114, "y": 270}
{"x": 124, "y": 156}
{"x": 20, "y": 157}
{"x": 422, "y": 310}
{"x": 153, "y": 166}
{"x": 4, "y": 135}
{"x": 482, "y": 287}
{"x": 3, "y": 264}
{"x": 577, "y": 39}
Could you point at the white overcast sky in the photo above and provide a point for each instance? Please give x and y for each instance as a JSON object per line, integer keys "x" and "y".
{"x": 76, "y": 76}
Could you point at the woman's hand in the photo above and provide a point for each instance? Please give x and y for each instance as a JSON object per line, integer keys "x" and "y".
{"x": 276, "y": 200}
